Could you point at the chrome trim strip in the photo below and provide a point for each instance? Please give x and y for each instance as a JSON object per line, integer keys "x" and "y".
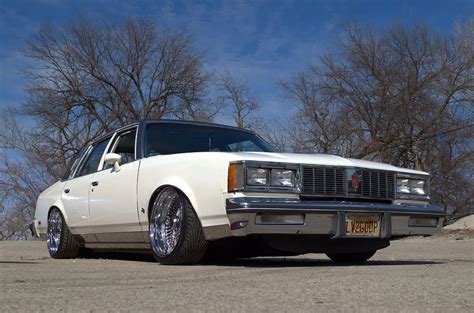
{"x": 248, "y": 204}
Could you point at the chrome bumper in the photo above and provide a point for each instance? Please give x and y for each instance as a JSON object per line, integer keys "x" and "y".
{"x": 329, "y": 217}
{"x": 33, "y": 226}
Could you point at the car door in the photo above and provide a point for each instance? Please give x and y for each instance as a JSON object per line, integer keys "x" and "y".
{"x": 113, "y": 196}
{"x": 75, "y": 196}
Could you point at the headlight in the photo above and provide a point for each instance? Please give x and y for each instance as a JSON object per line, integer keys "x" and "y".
{"x": 283, "y": 178}
{"x": 254, "y": 176}
{"x": 257, "y": 176}
{"x": 412, "y": 187}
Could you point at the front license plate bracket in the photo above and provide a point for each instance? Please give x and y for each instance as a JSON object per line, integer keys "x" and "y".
{"x": 362, "y": 225}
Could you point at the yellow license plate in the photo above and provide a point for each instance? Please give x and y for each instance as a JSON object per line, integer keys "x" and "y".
{"x": 363, "y": 225}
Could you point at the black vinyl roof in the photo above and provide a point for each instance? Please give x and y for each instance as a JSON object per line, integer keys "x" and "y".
{"x": 186, "y": 122}
{"x": 144, "y": 122}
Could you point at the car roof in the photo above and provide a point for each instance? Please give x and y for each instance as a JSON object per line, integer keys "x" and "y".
{"x": 196, "y": 123}
{"x": 144, "y": 122}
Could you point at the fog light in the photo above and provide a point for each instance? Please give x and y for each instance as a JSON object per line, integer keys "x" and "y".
{"x": 279, "y": 219}
{"x": 238, "y": 225}
{"x": 422, "y": 222}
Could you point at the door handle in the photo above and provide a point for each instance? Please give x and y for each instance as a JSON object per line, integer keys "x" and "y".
{"x": 66, "y": 190}
{"x": 95, "y": 183}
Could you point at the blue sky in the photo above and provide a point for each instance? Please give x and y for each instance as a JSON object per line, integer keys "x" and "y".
{"x": 260, "y": 41}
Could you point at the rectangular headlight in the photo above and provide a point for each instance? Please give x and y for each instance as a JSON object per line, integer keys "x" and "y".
{"x": 283, "y": 178}
{"x": 262, "y": 176}
{"x": 412, "y": 187}
{"x": 257, "y": 176}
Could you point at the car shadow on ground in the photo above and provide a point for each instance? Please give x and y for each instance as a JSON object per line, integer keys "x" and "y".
{"x": 307, "y": 262}
{"x": 269, "y": 262}
{"x": 120, "y": 256}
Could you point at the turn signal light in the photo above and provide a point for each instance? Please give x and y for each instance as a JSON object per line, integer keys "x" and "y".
{"x": 231, "y": 178}
{"x": 235, "y": 177}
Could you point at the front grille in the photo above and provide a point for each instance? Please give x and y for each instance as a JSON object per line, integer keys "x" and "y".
{"x": 378, "y": 184}
{"x": 331, "y": 181}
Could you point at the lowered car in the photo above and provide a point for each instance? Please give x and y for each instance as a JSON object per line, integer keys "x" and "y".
{"x": 187, "y": 190}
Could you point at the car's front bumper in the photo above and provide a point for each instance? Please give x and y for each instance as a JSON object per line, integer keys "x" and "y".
{"x": 329, "y": 217}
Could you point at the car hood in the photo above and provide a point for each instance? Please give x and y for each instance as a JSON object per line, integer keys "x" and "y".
{"x": 319, "y": 159}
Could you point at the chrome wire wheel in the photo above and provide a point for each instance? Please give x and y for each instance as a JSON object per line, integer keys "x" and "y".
{"x": 166, "y": 222}
{"x": 55, "y": 228}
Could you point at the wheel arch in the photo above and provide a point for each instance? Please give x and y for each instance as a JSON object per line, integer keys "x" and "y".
{"x": 60, "y": 207}
{"x": 181, "y": 188}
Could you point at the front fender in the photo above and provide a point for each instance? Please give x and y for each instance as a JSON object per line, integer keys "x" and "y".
{"x": 201, "y": 179}
{"x": 182, "y": 186}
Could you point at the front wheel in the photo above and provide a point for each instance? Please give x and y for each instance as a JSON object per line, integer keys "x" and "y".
{"x": 351, "y": 257}
{"x": 60, "y": 242}
{"x": 175, "y": 232}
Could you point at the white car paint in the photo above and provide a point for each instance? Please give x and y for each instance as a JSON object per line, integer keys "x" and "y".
{"x": 115, "y": 208}
{"x": 113, "y": 202}
{"x": 121, "y": 201}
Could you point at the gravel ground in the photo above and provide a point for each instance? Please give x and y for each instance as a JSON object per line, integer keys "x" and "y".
{"x": 412, "y": 275}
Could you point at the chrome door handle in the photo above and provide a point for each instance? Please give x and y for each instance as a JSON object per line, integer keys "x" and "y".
{"x": 95, "y": 183}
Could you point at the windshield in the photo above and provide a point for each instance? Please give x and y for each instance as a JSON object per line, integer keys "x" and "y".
{"x": 162, "y": 138}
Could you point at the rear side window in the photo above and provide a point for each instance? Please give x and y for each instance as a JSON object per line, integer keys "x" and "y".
{"x": 92, "y": 162}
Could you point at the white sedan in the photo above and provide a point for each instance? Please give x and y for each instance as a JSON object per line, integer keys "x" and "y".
{"x": 181, "y": 189}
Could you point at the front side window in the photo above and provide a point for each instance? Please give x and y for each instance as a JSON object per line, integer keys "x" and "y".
{"x": 73, "y": 164}
{"x": 162, "y": 138}
{"x": 125, "y": 146}
{"x": 92, "y": 162}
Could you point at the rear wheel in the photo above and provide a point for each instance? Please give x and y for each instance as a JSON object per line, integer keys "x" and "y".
{"x": 351, "y": 257}
{"x": 60, "y": 242}
{"x": 175, "y": 232}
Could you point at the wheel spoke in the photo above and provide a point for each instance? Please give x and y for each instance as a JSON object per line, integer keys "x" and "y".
{"x": 54, "y": 232}
{"x": 165, "y": 222}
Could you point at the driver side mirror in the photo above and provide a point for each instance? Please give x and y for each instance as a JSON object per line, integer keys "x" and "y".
{"x": 113, "y": 159}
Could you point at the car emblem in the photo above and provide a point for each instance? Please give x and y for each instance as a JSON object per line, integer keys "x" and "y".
{"x": 355, "y": 182}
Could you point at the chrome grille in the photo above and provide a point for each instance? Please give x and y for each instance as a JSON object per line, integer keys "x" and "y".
{"x": 378, "y": 184}
{"x": 331, "y": 181}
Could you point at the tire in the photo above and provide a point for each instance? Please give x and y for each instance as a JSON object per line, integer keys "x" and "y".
{"x": 351, "y": 257}
{"x": 60, "y": 242}
{"x": 175, "y": 232}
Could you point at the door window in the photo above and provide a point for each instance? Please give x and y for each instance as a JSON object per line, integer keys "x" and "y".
{"x": 73, "y": 164}
{"x": 125, "y": 146}
{"x": 92, "y": 163}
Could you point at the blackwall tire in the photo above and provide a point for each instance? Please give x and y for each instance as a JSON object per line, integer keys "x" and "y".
{"x": 175, "y": 232}
{"x": 60, "y": 242}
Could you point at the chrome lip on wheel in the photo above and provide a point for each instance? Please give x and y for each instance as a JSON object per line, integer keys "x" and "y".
{"x": 166, "y": 222}
{"x": 55, "y": 227}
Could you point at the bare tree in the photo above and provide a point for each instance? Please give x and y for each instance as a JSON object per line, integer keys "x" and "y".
{"x": 403, "y": 96}
{"x": 116, "y": 73}
{"x": 89, "y": 78}
{"x": 235, "y": 94}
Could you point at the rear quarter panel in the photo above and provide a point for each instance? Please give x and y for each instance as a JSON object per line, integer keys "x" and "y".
{"x": 49, "y": 198}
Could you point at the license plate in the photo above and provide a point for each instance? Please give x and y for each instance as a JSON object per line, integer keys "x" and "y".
{"x": 363, "y": 225}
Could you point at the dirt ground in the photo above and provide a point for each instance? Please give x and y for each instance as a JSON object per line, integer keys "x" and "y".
{"x": 412, "y": 275}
